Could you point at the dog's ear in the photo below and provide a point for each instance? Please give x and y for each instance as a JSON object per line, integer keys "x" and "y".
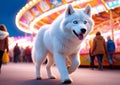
{"x": 69, "y": 10}
{"x": 88, "y": 10}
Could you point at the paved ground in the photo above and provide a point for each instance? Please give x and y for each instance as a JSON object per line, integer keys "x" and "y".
{"x": 23, "y": 74}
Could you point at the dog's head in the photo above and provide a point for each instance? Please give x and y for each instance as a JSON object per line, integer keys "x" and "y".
{"x": 77, "y": 22}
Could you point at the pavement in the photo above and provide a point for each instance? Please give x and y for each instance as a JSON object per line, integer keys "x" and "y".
{"x": 24, "y": 74}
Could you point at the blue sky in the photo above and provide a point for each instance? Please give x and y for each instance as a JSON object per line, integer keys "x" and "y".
{"x": 8, "y": 11}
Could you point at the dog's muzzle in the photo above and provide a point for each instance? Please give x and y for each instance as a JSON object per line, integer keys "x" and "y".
{"x": 80, "y": 35}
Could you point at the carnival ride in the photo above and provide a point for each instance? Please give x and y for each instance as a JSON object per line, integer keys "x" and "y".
{"x": 106, "y": 15}
{"x": 37, "y": 13}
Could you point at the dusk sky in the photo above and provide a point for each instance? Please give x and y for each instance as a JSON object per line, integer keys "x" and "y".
{"x": 8, "y": 11}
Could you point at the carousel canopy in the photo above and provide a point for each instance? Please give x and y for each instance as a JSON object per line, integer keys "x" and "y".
{"x": 36, "y": 13}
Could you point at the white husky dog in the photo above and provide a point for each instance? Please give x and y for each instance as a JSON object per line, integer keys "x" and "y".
{"x": 62, "y": 39}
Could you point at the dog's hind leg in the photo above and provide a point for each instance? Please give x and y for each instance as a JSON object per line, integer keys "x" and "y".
{"x": 40, "y": 57}
{"x": 48, "y": 66}
{"x": 75, "y": 62}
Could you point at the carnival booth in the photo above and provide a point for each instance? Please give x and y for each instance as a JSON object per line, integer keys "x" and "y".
{"x": 106, "y": 15}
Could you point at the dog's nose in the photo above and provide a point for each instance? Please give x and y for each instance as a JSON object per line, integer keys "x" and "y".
{"x": 83, "y": 30}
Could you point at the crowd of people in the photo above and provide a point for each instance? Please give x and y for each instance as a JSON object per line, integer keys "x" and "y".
{"x": 21, "y": 54}
{"x": 100, "y": 48}
{"x": 18, "y": 54}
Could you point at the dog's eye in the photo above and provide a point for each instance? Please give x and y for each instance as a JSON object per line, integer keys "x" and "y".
{"x": 75, "y": 22}
{"x": 85, "y": 22}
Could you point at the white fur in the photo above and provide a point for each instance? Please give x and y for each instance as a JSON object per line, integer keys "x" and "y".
{"x": 58, "y": 41}
{"x": 3, "y": 34}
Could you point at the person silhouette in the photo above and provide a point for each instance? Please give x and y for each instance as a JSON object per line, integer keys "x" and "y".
{"x": 99, "y": 49}
{"x": 3, "y": 42}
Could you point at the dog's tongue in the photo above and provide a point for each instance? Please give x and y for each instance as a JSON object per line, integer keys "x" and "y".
{"x": 80, "y": 36}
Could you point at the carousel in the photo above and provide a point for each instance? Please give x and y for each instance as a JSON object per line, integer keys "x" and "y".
{"x": 106, "y": 15}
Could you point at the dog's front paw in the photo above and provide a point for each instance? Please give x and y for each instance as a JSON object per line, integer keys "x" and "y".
{"x": 67, "y": 81}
